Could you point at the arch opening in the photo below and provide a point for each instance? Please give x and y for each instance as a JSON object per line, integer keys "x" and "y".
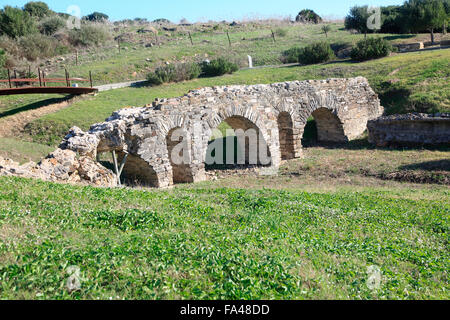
{"x": 177, "y": 148}
{"x": 237, "y": 142}
{"x": 136, "y": 172}
{"x": 323, "y": 126}
{"x": 286, "y": 134}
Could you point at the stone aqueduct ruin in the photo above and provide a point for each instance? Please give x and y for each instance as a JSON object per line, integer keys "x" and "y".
{"x": 278, "y": 112}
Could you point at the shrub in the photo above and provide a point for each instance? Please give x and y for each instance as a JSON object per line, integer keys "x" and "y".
{"x": 162, "y": 21}
{"x": 291, "y": 55}
{"x": 325, "y": 29}
{"x": 162, "y": 75}
{"x": 174, "y": 73}
{"x": 89, "y": 35}
{"x": 96, "y": 17}
{"x": 280, "y": 32}
{"x": 371, "y": 48}
{"x": 37, "y": 9}
{"x": 316, "y": 53}
{"x": 51, "y": 25}
{"x": 308, "y": 16}
{"x": 219, "y": 67}
{"x": 10, "y": 46}
{"x": 342, "y": 49}
{"x": 2, "y": 64}
{"x": 37, "y": 45}
{"x": 16, "y": 23}
{"x": 187, "y": 71}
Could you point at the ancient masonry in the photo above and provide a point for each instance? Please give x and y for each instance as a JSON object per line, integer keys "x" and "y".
{"x": 278, "y": 112}
{"x": 413, "y": 129}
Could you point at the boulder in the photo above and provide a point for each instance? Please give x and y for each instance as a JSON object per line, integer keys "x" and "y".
{"x": 83, "y": 143}
{"x": 95, "y": 174}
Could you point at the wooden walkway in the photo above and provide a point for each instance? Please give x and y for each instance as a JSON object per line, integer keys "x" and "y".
{"x": 25, "y": 86}
{"x": 47, "y": 90}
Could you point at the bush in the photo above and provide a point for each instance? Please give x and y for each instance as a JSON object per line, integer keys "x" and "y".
{"x": 308, "y": 16}
{"x": 96, "y": 17}
{"x": 219, "y": 67}
{"x": 372, "y": 48}
{"x": 291, "y": 55}
{"x": 281, "y": 32}
{"x": 188, "y": 71}
{"x": 174, "y": 73}
{"x": 36, "y": 46}
{"x": 10, "y": 46}
{"x": 16, "y": 23}
{"x": 89, "y": 35}
{"x": 162, "y": 75}
{"x": 316, "y": 53}
{"x": 51, "y": 25}
{"x": 162, "y": 21}
{"x": 37, "y": 9}
{"x": 325, "y": 29}
{"x": 2, "y": 64}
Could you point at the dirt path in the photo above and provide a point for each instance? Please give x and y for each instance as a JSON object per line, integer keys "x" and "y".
{"x": 11, "y": 126}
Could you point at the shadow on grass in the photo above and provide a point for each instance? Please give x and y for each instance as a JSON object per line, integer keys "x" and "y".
{"x": 36, "y": 105}
{"x": 437, "y": 165}
{"x": 399, "y": 37}
{"x": 142, "y": 84}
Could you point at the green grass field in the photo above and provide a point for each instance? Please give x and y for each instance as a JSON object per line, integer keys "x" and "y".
{"x": 219, "y": 244}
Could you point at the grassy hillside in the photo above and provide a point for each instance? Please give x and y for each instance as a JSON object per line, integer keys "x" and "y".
{"x": 218, "y": 244}
{"x": 405, "y": 83}
{"x": 23, "y": 151}
{"x": 255, "y": 39}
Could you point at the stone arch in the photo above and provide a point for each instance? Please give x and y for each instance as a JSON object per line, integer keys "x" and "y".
{"x": 329, "y": 126}
{"x": 178, "y": 148}
{"x": 139, "y": 172}
{"x": 279, "y": 112}
{"x": 245, "y": 121}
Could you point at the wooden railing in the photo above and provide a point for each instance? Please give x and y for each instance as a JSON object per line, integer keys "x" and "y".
{"x": 43, "y": 80}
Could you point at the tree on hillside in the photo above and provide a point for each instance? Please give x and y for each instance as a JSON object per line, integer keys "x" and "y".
{"x": 162, "y": 21}
{"x": 2, "y": 63}
{"x": 51, "y": 25}
{"x": 15, "y": 22}
{"x": 96, "y": 17}
{"x": 308, "y": 16}
{"x": 326, "y": 28}
{"x": 37, "y": 9}
{"x": 426, "y": 15}
{"x": 394, "y": 20}
{"x": 447, "y": 11}
{"x": 357, "y": 19}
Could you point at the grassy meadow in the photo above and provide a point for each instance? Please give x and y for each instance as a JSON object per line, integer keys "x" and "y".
{"x": 205, "y": 243}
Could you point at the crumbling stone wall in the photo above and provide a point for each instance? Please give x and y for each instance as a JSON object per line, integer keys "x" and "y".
{"x": 411, "y": 130}
{"x": 277, "y": 112}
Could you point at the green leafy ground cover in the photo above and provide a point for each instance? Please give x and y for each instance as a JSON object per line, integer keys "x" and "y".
{"x": 219, "y": 243}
